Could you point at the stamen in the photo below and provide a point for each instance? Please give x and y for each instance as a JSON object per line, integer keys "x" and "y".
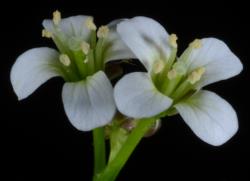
{"x": 90, "y": 23}
{"x": 102, "y": 32}
{"x": 46, "y": 33}
{"x": 195, "y": 44}
{"x": 64, "y": 59}
{"x": 172, "y": 74}
{"x": 85, "y": 47}
{"x": 172, "y": 40}
{"x": 195, "y": 76}
{"x": 158, "y": 66}
{"x": 56, "y": 17}
{"x": 86, "y": 60}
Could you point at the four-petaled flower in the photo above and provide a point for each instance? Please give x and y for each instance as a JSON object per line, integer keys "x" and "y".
{"x": 174, "y": 83}
{"x": 82, "y": 53}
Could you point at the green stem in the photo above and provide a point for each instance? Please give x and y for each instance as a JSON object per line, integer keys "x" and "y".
{"x": 114, "y": 167}
{"x": 99, "y": 150}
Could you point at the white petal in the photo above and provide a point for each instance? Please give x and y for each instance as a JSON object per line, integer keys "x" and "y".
{"x": 71, "y": 26}
{"x": 210, "y": 117}
{"x": 147, "y": 39}
{"x": 220, "y": 63}
{"x": 137, "y": 97}
{"x": 32, "y": 69}
{"x": 89, "y": 104}
{"x": 117, "y": 49}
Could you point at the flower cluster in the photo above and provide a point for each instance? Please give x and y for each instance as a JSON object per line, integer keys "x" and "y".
{"x": 172, "y": 84}
{"x": 80, "y": 59}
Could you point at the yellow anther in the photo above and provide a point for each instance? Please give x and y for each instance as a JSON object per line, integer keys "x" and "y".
{"x": 201, "y": 70}
{"x": 46, "y": 33}
{"x": 195, "y": 44}
{"x": 102, "y": 32}
{"x": 64, "y": 59}
{"x": 56, "y": 17}
{"x": 195, "y": 76}
{"x": 172, "y": 74}
{"x": 158, "y": 66}
{"x": 90, "y": 23}
{"x": 86, "y": 60}
{"x": 85, "y": 47}
{"x": 172, "y": 40}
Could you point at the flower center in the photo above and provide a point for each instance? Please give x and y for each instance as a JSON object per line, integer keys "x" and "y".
{"x": 171, "y": 77}
{"x": 79, "y": 58}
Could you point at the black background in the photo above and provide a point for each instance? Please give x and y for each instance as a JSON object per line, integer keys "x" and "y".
{"x": 40, "y": 144}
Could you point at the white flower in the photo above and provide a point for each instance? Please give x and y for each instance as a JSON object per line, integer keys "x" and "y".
{"x": 87, "y": 94}
{"x": 173, "y": 83}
